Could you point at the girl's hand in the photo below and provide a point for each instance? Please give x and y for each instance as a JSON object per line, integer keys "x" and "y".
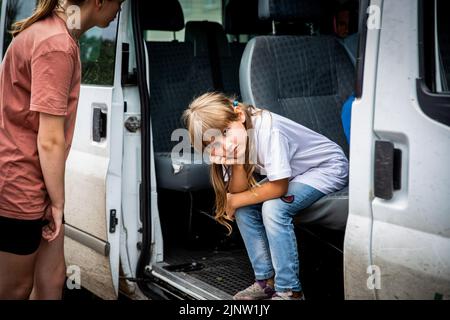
{"x": 231, "y": 208}
{"x": 222, "y": 160}
{"x": 51, "y": 231}
{"x": 229, "y": 151}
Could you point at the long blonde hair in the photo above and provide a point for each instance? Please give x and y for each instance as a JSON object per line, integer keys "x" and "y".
{"x": 43, "y": 9}
{"x": 215, "y": 110}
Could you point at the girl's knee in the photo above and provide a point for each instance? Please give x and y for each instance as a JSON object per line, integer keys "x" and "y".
{"x": 276, "y": 210}
{"x": 243, "y": 213}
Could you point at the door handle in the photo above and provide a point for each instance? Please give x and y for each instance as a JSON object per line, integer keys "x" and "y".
{"x": 99, "y": 121}
{"x": 388, "y": 169}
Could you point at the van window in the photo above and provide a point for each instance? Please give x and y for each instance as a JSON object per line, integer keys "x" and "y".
{"x": 193, "y": 10}
{"x": 98, "y": 55}
{"x": 442, "y": 48}
{"x": 97, "y": 46}
{"x": 16, "y": 10}
{"x": 433, "y": 84}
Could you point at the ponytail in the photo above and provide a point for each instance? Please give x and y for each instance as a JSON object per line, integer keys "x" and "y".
{"x": 43, "y": 10}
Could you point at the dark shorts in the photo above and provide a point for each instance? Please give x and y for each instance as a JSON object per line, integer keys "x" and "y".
{"x": 21, "y": 237}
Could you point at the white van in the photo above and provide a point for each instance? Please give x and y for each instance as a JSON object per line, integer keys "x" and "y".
{"x": 139, "y": 221}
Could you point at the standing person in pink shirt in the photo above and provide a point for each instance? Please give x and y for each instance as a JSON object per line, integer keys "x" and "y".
{"x": 40, "y": 80}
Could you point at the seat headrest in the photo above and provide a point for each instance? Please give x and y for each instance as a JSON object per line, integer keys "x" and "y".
{"x": 241, "y": 17}
{"x": 201, "y": 32}
{"x": 289, "y": 10}
{"x": 164, "y": 15}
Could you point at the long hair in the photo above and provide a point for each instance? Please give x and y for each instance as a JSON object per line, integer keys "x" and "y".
{"x": 215, "y": 110}
{"x": 43, "y": 9}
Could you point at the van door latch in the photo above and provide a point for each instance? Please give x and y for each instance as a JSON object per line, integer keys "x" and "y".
{"x": 113, "y": 221}
{"x": 133, "y": 124}
{"x": 99, "y": 121}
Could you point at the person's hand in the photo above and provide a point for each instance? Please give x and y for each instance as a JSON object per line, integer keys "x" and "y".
{"x": 230, "y": 157}
{"x": 222, "y": 160}
{"x": 51, "y": 231}
{"x": 231, "y": 208}
{"x": 229, "y": 151}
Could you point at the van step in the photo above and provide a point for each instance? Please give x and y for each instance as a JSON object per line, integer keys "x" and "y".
{"x": 226, "y": 270}
{"x": 187, "y": 284}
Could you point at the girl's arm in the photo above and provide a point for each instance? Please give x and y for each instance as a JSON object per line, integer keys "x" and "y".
{"x": 52, "y": 146}
{"x": 238, "y": 179}
{"x": 267, "y": 191}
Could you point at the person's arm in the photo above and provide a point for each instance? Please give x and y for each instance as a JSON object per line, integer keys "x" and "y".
{"x": 238, "y": 180}
{"x": 51, "y": 147}
{"x": 267, "y": 191}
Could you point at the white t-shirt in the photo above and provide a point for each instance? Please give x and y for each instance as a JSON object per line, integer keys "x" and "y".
{"x": 286, "y": 149}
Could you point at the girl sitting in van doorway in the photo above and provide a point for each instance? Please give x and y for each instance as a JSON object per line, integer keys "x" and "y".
{"x": 301, "y": 167}
{"x": 39, "y": 88}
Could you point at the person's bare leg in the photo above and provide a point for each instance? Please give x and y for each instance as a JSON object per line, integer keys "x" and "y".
{"x": 16, "y": 275}
{"x": 50, "y": 270}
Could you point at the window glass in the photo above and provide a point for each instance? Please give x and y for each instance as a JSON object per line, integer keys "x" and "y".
{"x": 193, "y": 10}
{"x": 443, "y": 47}
{"x": 97, "y": 46}
{"x": 433, "y": 82}
{"x": 16, "y": 10}
{"x": 98, "y": 54}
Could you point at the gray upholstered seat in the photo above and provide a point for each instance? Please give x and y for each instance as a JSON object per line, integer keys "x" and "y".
{"x": 330, "y": 212}
{"x": 306, "y": 79}
{"x": 174, "y": 173}
{"x": 176, "y": 76}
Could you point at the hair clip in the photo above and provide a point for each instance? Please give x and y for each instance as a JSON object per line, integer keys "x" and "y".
{"x": 235, "y": 103}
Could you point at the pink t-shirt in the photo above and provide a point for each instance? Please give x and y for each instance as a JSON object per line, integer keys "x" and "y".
{"x": 41, "y": 72}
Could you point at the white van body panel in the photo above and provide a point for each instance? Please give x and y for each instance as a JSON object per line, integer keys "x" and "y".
{"x": 357, "y": 243}
{"x": 411, "y": 232}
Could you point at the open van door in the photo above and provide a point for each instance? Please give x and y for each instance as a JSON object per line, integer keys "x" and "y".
{"x": 94, "y": 166}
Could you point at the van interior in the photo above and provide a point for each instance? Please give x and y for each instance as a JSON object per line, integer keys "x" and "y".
{"x": 290, "y": 57}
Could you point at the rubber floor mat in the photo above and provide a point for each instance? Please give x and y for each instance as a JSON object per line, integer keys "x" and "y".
{"x": 229, "y": 271}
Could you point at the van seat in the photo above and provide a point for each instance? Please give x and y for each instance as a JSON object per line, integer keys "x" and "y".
{"x": 306, "y": 79}
{"x": 176, "y": 76}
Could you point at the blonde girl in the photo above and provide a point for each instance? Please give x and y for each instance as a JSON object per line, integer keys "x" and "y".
{"x": 301, "y": 166}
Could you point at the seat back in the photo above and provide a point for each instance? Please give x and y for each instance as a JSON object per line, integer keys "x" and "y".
{"x": 241, "y": 18}
{"x": 176, "y": 74}
{"x": 211, "y": 43}
{"x": 304, "y": 78}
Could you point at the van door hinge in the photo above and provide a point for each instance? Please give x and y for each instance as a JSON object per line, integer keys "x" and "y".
{"x": 113, "y": 221}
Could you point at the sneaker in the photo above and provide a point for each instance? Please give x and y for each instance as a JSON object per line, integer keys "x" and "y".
{"x": 260, "y": 290}
{"x": 289, "y": 295}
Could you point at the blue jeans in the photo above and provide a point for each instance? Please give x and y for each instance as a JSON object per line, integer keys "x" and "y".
{"x": 269, "y": 236}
